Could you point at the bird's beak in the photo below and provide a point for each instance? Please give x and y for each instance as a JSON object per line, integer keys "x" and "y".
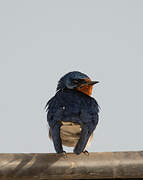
{"x": 92, "y": 82}
{"x": 88, "y": 83}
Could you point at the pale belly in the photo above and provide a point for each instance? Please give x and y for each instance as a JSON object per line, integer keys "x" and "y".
{"x": 70, "y": 133}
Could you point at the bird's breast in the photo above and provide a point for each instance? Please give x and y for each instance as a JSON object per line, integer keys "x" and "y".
{"x": 70, "y": 133}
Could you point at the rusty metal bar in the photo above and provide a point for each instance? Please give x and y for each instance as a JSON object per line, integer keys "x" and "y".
{"x": 99, "y": 165}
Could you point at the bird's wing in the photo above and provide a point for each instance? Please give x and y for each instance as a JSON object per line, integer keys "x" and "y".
{"x": 89, "y": 117}
{"x": 54, "y": 116}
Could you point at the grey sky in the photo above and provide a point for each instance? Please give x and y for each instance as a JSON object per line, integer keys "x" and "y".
{"x": 42, "y": 40}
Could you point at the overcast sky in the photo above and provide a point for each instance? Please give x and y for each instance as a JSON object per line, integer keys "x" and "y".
{"x": 42, "y": 40}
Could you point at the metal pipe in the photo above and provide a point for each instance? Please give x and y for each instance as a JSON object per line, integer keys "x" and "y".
{"x": 99, "y": 165}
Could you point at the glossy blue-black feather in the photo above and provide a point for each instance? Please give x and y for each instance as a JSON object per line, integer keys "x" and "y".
{"x": 72, "y": 105}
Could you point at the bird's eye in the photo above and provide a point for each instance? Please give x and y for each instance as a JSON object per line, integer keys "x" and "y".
{"x": 75, "y": 81}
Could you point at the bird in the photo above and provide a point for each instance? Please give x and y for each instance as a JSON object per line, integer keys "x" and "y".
{"x": 72, "y": 114}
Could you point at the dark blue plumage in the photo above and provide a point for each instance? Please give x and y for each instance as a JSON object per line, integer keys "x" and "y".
{"x": 72, "y": 103}
{"x": 75, "y": 106}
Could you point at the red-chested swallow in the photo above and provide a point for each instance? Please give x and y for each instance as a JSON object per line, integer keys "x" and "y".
{"x": 72, "y": 113}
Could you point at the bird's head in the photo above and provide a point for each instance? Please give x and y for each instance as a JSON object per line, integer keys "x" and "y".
{"x": 78, "y": 81}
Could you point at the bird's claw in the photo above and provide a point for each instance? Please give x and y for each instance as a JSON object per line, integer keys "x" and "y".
{"x": 86, "y": 152}
{"x": 64, "y": 154}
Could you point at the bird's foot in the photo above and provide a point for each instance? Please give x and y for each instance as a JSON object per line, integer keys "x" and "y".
{"x": 86, "y": 152}
{"x": 64, "y": 154}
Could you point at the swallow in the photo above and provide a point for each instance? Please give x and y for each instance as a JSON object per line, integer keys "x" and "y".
{"x": 72, "y": 114}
